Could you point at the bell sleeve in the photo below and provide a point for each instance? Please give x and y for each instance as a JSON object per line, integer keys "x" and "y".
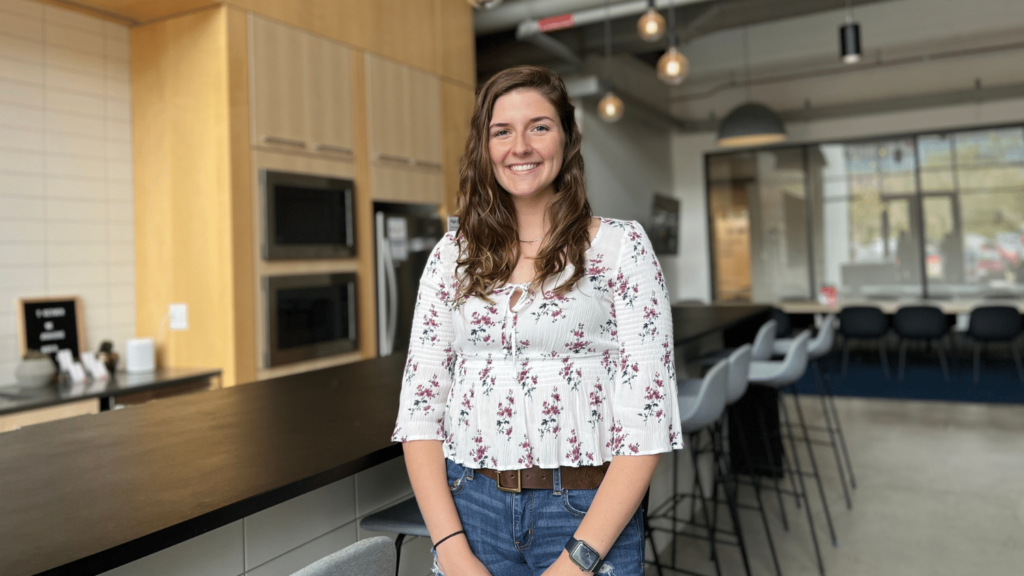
{"x": 429, "y": 367}
{"x": 646, "y": 418}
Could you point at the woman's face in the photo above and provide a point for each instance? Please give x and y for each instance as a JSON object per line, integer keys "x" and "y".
{"x": 526, "y": 143}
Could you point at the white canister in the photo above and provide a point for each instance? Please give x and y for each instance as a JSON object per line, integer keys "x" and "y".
{"x": 141, "y": 355}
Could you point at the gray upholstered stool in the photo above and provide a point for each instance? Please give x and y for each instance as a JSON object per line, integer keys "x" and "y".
{"x": 403, "y": 518}
{"x": 370, "y": 557}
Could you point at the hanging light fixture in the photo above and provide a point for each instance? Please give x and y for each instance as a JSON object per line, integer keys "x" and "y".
{"x": 651, "y": 26}
{"x": 610, "y": 108}
{"x": 673, "y": 65}
{"x": 849, "y": 38}
{"x": 750, "y": 124}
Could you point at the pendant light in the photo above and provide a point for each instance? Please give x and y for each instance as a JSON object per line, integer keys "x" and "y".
{"x": 849, "y": 38}
{"x": 673, "y": 65}
{"x": 610, "y": 108}
{"x": 651, "y": 26}
{"x": 750, "y": 124}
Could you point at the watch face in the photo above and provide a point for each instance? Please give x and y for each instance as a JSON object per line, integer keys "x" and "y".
{"x": 584, "y": 556}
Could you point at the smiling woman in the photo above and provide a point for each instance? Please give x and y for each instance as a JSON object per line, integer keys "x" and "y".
{"x": 539, "y": 388}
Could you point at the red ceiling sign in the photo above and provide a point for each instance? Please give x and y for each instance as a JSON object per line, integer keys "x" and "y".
{"x": 559, "y": 22}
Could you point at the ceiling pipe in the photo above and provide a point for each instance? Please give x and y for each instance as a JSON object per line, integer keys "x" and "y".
{"x": 559, "y": 21}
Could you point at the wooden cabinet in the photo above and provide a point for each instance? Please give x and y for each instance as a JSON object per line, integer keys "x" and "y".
{"x": 301, "y": 91}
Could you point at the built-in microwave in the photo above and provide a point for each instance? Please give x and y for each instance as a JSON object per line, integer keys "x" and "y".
{"x": 306, "y": 216}
{"x": 310, "y": 316}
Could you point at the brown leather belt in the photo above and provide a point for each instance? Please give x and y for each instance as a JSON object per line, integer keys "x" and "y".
{"x": 581, "y": 478}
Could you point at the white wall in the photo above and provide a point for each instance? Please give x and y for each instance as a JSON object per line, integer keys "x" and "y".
{"x": 66, "y": 216}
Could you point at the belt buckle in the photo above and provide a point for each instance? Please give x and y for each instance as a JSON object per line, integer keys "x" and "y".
{"x": 519, "y": 483}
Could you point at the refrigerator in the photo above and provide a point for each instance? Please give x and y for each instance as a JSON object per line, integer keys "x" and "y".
{"x": 405, "y": 235}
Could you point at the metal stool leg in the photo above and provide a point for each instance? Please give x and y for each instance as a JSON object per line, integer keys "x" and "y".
{"x": 803, "y": 493}
{"x": 398, "y": 552}
{"x": 814, "y": 464}
{"x": 760, "y": 504}
{"x": 831, "y": 432}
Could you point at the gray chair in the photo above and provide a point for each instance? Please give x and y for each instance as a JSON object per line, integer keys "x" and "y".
{"x": 763, "y": 341}
{"x": 403, "y": 518}
{"x": 370, "y": 557}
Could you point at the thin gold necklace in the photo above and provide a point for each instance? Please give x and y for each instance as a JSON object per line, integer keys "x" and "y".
{"x": 532, "y": 241}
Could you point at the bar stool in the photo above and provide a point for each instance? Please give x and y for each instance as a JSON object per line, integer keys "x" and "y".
{"x": 994, "y": 324}
{"x": 780, "y": 375}
{"x": 818, "y": 349}
{"x": 926, "y": 323}
{"x": 863, "y": 323}
{"x": 404, "y": 518}
{"x": 370, "y": 557}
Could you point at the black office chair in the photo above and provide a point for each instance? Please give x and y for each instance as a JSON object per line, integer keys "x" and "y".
{"x": 926, "y": 323}
{"x": 994, "y": 324}
{"x": 864, "y": 323}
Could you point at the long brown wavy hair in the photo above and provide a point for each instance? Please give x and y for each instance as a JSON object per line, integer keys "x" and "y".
{"x": 488, "y": 228}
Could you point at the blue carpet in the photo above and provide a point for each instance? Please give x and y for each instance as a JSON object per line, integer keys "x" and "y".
{"x": 923, "y": 379}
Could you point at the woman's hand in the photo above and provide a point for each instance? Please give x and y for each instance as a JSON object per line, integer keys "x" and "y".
{"x": 459, "y": 560}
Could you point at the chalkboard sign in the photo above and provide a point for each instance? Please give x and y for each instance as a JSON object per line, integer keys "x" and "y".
{"x": 50, "y": 324}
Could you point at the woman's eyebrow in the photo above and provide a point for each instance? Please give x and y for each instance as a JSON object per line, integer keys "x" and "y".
{"x": 532, "y": 120}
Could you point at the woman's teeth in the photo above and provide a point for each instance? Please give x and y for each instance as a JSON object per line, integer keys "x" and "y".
{"x": 523, "y": 167}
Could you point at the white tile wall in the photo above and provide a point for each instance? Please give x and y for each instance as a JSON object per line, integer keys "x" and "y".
{"x": 66, "y": 213}
{"x": 216, "y": 553}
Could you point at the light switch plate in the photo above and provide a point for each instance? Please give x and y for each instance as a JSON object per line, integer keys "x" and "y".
{"x": 179, "y": 316}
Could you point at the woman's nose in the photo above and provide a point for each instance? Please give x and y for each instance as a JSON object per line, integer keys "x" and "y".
{"x": 521, "y": 146}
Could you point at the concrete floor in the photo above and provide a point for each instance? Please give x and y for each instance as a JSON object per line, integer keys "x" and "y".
{"x": 940, "y": 491}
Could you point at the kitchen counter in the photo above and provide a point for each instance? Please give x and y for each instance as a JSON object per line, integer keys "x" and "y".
{"x": 85, "y": 495}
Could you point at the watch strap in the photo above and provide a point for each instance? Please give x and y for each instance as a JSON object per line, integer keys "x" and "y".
{"x": 571, "y": 545}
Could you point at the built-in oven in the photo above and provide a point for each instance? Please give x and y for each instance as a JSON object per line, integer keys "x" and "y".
{"x": 306, "y": 216}
{"x": 310, "y": 316}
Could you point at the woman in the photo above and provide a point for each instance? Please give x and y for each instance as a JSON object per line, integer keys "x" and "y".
{"x": 541, "y": 349}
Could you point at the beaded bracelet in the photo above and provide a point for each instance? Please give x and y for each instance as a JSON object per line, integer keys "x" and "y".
{"x": 439, "y": 542}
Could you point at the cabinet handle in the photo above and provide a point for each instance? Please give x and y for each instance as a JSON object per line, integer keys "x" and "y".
{"x": 333, "y": 148}
{"x": 393, "y": 158}
{"x": 285, "y": 141}
{"x": 427, "y": 164}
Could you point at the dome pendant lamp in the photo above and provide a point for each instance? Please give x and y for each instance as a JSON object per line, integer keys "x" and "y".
{"x": 849, "y": 39}
{"x": 673, "y": 65}
{"x": 750, "y": 124}
{"x": 651, "y": 26}
{"x": 610, "y": 108}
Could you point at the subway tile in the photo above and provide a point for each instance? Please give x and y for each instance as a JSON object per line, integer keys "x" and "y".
{"x": 77, "y": 275}
{"x": 120, "y": 253}
{"x": 9, "y": 348}
{"x": 10, "y": 295}
{"x": 32, "y": 118}
{"x": 32, "y": 185}
{"x": 115, "y": 31}
{"x": 22, "y": 254}
{"x": 119, "y": 110}
{"x": 122, "y": 294}
{"x": 118, "y": 336}
{"x": 75, "y": 167}
{"x": 65, "y": 123}
{"x": 8, "y": 324}
{"x": 18, "y": 208}
{"x": 118, "y": 151}
{"x": 73, "y": 19}
{"x": 70, "y": 232}
{"x": 75, "y": 188}
{"x": 21, "y": 94}
{"x": 19, "y": 71}
{"x": 22, "y": 139}
{"x": 74, "y": 103}
{"x": 120, "y": 212}
{"x": 120, "y": 191}
{"x": 121, "y": 273}
{"x": 75, "y": 61}
{"x": 215, "y": 553}
{"x": 96, "y": 296}
{"x": 118, "y": 130}
{"x": 116, "y": 89}
{"x": 119, "y": 171}
{"x": 32, "y": 277}
{"x": 25, "y": 27}
{"x": 93, "y": 333}
{"x": 381, "y": 485}
{"x": 74, "y": 38}
{"x": 19, "y": 162}
{"x": 22, "y": 8}
{"x": 288, "y": 525}
{"x": 72, "y": 145}
{"x": 20, "y": 232}
{"x": 21, "y": 49}
{"x": 69, "y": 254}
{"x": 122, "y": 314}
{"x": 308, "y": 553}
{"x": 117, "y": 50}
{"x": 61, "y": 79}
{"x": 121, "y": 233}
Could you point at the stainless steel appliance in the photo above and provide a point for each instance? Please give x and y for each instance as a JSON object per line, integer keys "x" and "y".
{"x": 310, "y": 316}
{"x": 306, "y": 216}
{"x": 406, "y": 234}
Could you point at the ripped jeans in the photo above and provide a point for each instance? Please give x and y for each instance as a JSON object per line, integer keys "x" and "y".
{"x": 523, "y": 534}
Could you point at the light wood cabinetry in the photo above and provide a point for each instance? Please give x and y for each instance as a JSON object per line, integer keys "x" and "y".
{"x": 40, "y": 415}
{"x": 301, "y": 91}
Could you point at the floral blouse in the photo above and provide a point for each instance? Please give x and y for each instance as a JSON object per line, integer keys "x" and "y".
{"x": 555, "y": 380}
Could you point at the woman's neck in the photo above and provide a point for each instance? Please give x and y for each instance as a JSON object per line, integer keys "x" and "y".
{"x": 532, "y": 216}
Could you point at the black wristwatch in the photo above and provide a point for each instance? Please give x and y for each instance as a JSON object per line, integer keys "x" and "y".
{"x": 583, "y": 555}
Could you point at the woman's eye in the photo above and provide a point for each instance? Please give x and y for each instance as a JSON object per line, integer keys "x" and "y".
{"x": 542, "y": 128}
{"x": 499, "y": 133}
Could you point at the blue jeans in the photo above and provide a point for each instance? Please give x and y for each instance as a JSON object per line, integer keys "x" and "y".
{"x": 523, "y": 534}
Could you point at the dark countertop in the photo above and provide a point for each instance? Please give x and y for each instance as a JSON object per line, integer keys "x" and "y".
{"x": 693, "y": 322}
{"x": 84, "y": 495}
{"x": 15, "y": 399}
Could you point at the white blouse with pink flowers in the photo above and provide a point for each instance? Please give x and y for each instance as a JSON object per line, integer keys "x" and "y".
{"x": 556, "y": 380}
